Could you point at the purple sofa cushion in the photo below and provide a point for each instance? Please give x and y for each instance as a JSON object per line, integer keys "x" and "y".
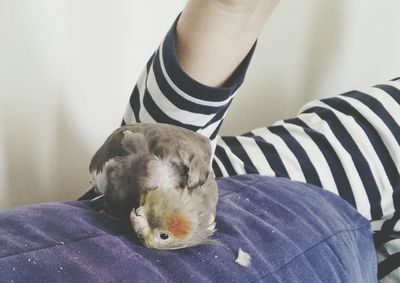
{"x": 294, "y": 232}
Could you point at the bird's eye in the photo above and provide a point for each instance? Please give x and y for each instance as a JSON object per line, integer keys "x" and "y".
{"x": 164, "y": 236}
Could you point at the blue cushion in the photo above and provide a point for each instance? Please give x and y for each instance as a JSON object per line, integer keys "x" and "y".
{"x": 294, "y": 232}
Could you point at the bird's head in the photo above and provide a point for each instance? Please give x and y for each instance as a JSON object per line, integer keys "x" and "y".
{"x": 176, "y": 218}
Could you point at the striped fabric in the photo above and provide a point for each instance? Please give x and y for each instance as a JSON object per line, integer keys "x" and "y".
{"x": 165, "y": 93}
{"x": 348, "y": 144}
{"x": 388, "y": 252}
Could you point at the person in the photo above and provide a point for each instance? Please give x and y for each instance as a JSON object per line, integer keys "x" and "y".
{"x": 348, "y": 144}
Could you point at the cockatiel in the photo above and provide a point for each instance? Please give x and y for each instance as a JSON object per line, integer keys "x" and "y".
{"x": 160, "y": 177}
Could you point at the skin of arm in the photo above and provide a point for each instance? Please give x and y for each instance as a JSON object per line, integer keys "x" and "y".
{"x": 214, "y": 36}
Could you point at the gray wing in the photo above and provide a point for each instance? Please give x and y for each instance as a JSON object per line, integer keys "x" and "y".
{"x": 117, "y": 169}
{"x": 120, "y": 143}
{"x": 144, "y": 156}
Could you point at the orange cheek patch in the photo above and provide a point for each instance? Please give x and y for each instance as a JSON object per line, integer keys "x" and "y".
{"x": 179, "y": 226}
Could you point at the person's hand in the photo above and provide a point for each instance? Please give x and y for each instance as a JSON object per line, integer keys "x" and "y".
{"x": 214, "y": 36}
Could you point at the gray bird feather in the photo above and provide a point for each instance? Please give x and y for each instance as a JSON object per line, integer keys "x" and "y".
{"x": 141, "y": 157}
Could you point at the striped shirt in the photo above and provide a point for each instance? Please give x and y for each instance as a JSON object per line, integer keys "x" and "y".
{"x": 348, "y": 144}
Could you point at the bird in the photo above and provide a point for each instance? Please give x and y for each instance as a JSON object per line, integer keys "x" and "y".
{"x": 159, "y": 178}
{"x": 175, "y": 219}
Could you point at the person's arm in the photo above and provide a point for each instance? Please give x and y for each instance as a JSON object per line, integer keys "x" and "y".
{"x": 214, "y": 36}
{"x": 191, "y": 79}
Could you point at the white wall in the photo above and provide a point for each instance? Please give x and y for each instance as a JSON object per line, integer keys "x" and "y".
{"x": 317, "y": 48}
{"x": 67, "y": 68}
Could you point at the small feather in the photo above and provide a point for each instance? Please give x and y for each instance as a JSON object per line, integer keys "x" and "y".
{"x": 243, "y": 258}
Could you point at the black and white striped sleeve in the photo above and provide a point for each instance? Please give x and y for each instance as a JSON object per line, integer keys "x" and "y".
{"x": 164, "y": 93}
{"x": 348, "y": 144}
